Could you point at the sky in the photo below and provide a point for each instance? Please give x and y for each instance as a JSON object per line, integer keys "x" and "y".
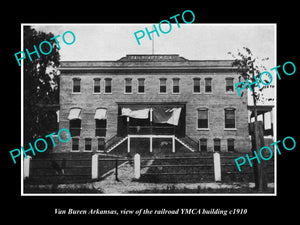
{"x": 192, "y": 41}
{"x": 97, "y": 42}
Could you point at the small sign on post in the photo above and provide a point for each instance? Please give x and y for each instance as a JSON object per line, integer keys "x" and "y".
{"x": 95, "y": 166}
{"x": 137, "y": 166}
{"x": 26, "y": 167}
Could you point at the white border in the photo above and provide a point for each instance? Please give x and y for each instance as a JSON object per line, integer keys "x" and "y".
{"x": 110, "y": 24}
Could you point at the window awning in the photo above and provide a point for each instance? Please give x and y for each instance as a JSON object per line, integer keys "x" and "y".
{"x": 74, "y": 114}
{"x": 100, "y": 114}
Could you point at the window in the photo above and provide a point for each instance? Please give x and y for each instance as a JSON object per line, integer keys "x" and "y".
{"x": 108, "y": 87}
{"x": 217, "y": 145}
{"x": 203, "y": 145}
{"x": 76, "y": 85}
{"x": 175, "y": 85}
{"x": 75, "y": 127}
{"x": 100, "y": 128}
{"x": 230, "y": 145}
{"x": 208, "y": 86}
{"x": 88, "y": 144}
{"x": 75, "y": 121}
{"x": 128, "y": 85}
{"x": 202, "y": 118}
{"x": 230, "y": 118}
{"x": 75, "y": 144}
{"x": 101, "y": 144}
{"x": 162, "y": 85}
{"x": 97, "y": 85}
{"x": 196, "y": 85}
{"x": 141, "y": 85}
{"x": 100, "y": 122}
{"x": 229, "y": 84}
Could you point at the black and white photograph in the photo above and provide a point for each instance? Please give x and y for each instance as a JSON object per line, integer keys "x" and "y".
{"x": 149, "y": 111}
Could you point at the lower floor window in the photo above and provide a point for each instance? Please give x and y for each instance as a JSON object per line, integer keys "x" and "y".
{"x": 217, "y": 145}
{"x": 203, "y": 145}
{"x": 230, "y": 144}
{"x": 88, "y": 144}
{"x": 75, "y": 144}
{"x": 101, "y": 144}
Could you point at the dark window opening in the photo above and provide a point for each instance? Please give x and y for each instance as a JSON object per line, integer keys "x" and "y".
{"x": 88, "y": 144}
{"x": 217, "y": 145}
{"x": 75, "y": 144}
{"x": 100, "y": 128}
{"x": 230, "y": 145}
{"x": 75, "y": 127}
{"x": 203, "y": 145}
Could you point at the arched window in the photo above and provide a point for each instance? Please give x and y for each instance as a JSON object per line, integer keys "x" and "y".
{"x": 100, "y": 122}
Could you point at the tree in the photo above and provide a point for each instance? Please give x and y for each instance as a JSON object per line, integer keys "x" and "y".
{"x": 250, "y": 69}
{"x": 40, "y": 86}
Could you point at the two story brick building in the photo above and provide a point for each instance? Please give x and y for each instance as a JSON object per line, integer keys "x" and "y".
{"x": 152, "y": 103}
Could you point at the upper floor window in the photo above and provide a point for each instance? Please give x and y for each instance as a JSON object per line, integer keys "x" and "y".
{"x": 208, "y": 85}
{"x": 229, "y": 118}
{"x": 162, "y": 85}
{"x": 76, "y": 85}
{"x": 97, "y": 88}
{"x": 176, "y": 85}
{"x": 196, "y": 85}
{"x": 128, "y": 85}
{"x": 108, "y": 85}
{"x": 229, "y": 84}
{"x": 202, "y": 118}
{"x": 141, "y": 85}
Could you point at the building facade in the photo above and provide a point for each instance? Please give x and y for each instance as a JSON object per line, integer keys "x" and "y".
{"x": 149, "y": 101}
